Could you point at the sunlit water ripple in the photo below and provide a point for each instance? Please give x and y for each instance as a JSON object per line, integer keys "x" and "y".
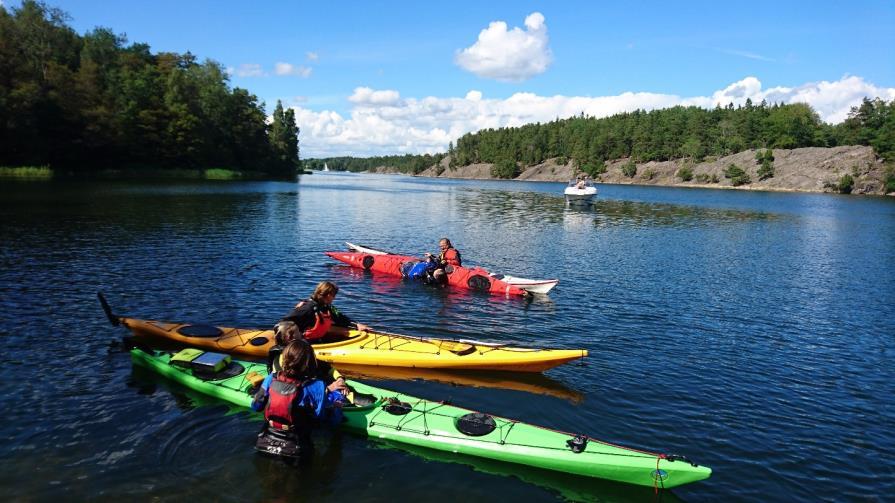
{"x": 750, "y": 331}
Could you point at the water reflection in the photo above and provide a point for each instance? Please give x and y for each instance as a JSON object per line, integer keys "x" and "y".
{"x": 528, "y": 382}
{"x": 526, "y": 209}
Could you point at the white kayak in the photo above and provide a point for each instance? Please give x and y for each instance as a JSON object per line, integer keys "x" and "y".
{"x": 530, "y": 285}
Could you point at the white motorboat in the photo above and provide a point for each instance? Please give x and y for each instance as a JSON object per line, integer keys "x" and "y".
{"x": 580, "y": 191}
{"x": 530, "y": 285}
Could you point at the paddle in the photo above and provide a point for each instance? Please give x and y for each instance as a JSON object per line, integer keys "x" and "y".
{"x": 113, "y": 319}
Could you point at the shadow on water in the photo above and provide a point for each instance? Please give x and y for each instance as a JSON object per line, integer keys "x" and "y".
{"x": 536, "y": 208}
{"x": 528, "y": 382}
{"x": 569, "y": 487}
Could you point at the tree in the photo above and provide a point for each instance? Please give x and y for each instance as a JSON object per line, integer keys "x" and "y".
{"x": 736, "y": 175}
{"x": 284, "y": 137}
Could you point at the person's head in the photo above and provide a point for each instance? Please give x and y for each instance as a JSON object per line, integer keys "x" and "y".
{"x": 285, "y": 332}
{"x": 299, "y": 360}
{"x": 325, "y": 292}
{"x": 445, "y": 243}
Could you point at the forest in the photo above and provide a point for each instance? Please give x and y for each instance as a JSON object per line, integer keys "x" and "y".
{"x": 82, "y": 103}
{"x": 86, "y": 103}
{"x": 657, "y": 135}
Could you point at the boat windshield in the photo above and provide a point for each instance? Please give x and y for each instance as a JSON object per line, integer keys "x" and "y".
{"x": 581, "y": 183}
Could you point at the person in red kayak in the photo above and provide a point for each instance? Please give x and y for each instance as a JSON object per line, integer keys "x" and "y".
{"x": 449, "y": 256}
{"x": 316, "y": 316}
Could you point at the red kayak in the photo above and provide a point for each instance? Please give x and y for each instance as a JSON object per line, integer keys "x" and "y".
{"x": 475, "y": 278}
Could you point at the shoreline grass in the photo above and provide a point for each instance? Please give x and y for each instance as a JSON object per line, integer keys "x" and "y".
{"x": 27, "y": 172}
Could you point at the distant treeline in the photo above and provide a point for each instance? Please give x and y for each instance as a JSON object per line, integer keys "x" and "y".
{"x": 658, "y": 135}
{"x": 407, "y": 163}
{"x": 90, "y": 102}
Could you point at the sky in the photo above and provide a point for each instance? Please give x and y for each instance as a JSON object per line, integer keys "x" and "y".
{"x": 381, "y": 78}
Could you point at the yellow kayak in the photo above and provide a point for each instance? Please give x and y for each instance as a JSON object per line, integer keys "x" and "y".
{"x": 359, "y": 348}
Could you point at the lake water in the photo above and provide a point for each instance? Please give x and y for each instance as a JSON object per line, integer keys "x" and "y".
{"x": 750, "y": 331}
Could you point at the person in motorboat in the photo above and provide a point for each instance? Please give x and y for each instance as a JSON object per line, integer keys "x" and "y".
{"x": 316, "y": 316}
{"x": 582, "y": 183}
{"x": 293, "y": 400}
{"x": 449, "y": 256}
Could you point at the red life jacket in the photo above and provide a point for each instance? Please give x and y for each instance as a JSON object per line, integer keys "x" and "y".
{"x": 450, "y": 257}
{"x": 323, "y": 321}
{"x": 282, "y": 395}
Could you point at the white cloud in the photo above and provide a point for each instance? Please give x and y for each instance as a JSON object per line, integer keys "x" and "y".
{"x": 509, "y": 56}
{"x": 746, "y": 54}
{"x": 382, "y": 123}
{"x": 247, "y": 70}
{"x": 312, "y": 56}
{"x": 290, "y": 69}
{"x": 364, "y": 96}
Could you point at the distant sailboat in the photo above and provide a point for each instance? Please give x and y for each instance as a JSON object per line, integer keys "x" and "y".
{"x": 325, "y": 167}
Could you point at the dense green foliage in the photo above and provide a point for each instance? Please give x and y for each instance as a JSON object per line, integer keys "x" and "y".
{"x": 407, "y": 163}
{"x": 766, "y": 158}
{"x": 88, "y": 102}
{"x": 846, "y": 184}
{"x": 889, "y": 182}
{"x": 504, "y": 168}
{"x": 736, "y": 175}
{"x": 685, "y": 173}
{"x": 872, "y": 123}
{"x": 629, "y": 169}
{"x": 674, "y": 133}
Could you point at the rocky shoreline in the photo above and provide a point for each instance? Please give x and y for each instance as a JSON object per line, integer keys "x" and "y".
{"x": 812, "y": 169}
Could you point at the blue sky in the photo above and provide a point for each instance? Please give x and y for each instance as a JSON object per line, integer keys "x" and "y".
{"x": 368, "y": 78}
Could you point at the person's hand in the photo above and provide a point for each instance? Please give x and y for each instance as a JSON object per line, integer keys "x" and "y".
{"x": 363, "y": 328}
{"x": 338, "y": 385}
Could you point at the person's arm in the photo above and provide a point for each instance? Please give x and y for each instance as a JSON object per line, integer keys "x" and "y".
{"x": 339, "y": 319}
{"x": 331, "y": 377}
{"x": 260, "y": 398}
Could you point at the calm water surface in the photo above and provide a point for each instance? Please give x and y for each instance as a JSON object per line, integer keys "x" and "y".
{"x": 752, "y": 332}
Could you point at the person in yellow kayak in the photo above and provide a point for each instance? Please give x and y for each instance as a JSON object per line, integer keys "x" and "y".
{"x": 293, "y": 399}
{"x": 316, "y": 317}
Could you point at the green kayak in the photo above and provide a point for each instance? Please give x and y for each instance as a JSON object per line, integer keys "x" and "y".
{"x": 405, "y": 419}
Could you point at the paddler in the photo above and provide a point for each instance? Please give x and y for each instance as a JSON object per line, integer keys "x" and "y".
{"x": 316, "y": 316}
{"x": 292, "y": 399}
{"x": 449, "y": 256}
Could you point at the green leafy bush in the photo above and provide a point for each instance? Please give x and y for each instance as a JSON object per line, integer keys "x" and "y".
{"x": 685, "y": 173}
{"x": 594, "y": 169}
{"x": 43, "y": 172}
{"x": 562, "y": 160}
{"x": 736, "y": 175}
{"x": 766, "y": 159}
{"x": 629, "y": 169}
{"x": 504, "y": 169}
{"x": 889, "y": 181}
{"x": 846, "y": 184}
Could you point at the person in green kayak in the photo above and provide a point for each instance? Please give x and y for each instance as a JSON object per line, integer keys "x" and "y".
{"x": 293, "y": 399}
{"x": 449, "y": 256}
{"x": 317, "y": 317}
